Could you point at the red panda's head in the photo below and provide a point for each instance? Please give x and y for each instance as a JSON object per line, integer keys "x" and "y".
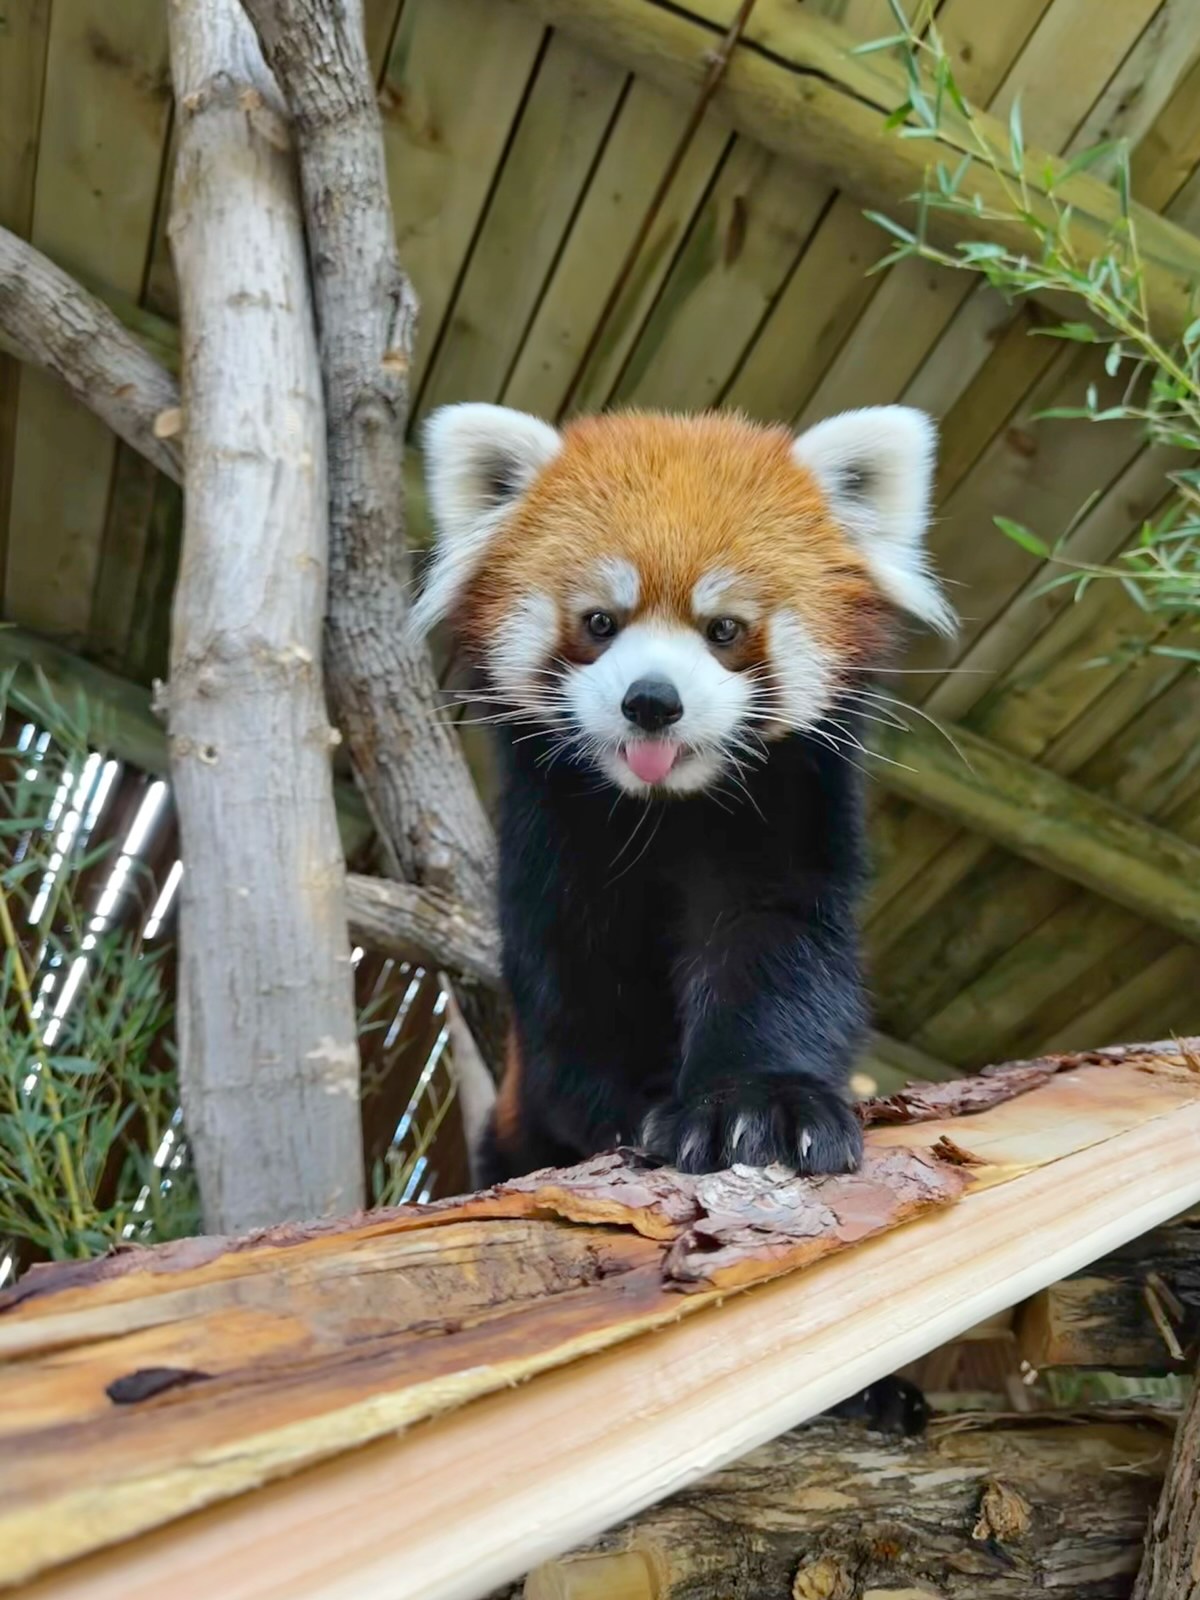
{"x": 663, "y": 591}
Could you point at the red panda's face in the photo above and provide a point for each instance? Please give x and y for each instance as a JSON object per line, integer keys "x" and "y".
{"x": 661, "y": 594}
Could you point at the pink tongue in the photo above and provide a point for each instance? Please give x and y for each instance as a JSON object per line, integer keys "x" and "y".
{"x": 651, "y": 759}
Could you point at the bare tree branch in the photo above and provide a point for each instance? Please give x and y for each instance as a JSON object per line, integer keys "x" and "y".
{"x": 408, "y": 760}
{"x": 420, "y": 924}
{"x": 269, "y": 1069}
{"x": 385, "y": 696}
{"x": 48, "y": 319}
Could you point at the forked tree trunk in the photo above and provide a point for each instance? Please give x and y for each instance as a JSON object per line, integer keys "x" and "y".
{"x": 269, "y": 1061}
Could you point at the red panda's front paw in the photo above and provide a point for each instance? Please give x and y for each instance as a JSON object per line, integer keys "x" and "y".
{"x": 794, "y": 1121}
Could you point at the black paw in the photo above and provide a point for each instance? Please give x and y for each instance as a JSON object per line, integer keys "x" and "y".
{"x": 796, "y": 1122}
{"x": 893, "y": 1405}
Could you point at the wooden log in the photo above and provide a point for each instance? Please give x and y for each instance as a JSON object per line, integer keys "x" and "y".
{"x": 158, "y": 1382}
{"x": 269, "y": 1070}
{"x": 1137, "y": 1310}
{"x": 413, "y": 922}
{"x": 794, "y": 84}
{"x": 980, "y": 1507}
{"x": 1048, "y": 820}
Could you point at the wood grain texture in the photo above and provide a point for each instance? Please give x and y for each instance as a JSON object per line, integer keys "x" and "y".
{"x": 795, "y": 85}
{"x": 1049, "y": 821}
{"x": 268, "y": 1059}
{"x": 1137, "y": 1310}
{"x": 1170, "y": 1568}
{"x": 385, "y": 696}
{"x": 832, "y": 1511}
{"x": 1071, "y": 1170}
{"x": 47, "y": 319}
{"x": 259, "y": 1355}
{"x": 105, "y": 112}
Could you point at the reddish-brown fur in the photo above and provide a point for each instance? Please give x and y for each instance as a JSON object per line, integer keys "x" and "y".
{"x": 680, "y": 497}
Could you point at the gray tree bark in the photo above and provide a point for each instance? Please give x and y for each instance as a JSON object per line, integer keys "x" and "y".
{"x": 268, "y": 1058}
{"x": 384, "y": 694}
{"x": 1170, "y": 1567}
{"x": 46, "y": 318}
{"x": 414, "y": 924}
{"x": 981, "y": 1509}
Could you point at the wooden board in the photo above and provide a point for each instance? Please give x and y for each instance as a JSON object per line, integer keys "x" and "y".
{"x": 104, "y": 124}
{"x": 455, "y": 83}
{"x": 570, "y": 106}
{"x": 25, "y": 28}
{"x": 311, "y": 1341}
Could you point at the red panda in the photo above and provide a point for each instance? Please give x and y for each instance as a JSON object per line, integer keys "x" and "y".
{"x": 671, "y": 618}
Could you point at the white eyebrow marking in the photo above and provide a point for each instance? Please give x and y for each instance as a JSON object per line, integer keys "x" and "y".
{"x": 621, "y": 581}
{"x": 721, "y": 589}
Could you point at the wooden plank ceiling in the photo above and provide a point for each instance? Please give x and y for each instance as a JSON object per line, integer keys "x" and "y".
{"x": 522, "y": 170}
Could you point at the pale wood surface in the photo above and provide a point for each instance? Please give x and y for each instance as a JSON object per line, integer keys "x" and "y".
{"x": 1059, "y": 1176}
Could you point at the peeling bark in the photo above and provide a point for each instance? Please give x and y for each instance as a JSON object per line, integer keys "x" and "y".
{"x": 268, "y": 1058}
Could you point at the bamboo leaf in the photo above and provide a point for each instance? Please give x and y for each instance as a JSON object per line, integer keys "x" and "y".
{"x": 892, "y": 227}
{"x": 873, "y": 45}
{"x": 1020, "y": 534}
{"x": 1016, "y": 140}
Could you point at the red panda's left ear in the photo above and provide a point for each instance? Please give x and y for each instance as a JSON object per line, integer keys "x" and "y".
{"x": 479, "y": 460}
{"x": 875, "y": 468}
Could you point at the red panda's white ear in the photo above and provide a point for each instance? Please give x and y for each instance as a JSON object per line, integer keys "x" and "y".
{"x": 479, "y": 460}
{"x": 875, "y": 468}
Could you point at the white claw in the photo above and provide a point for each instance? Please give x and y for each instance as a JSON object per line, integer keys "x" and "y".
{"x": 806, "y": 1143}
{"x": 690, "y": 1146}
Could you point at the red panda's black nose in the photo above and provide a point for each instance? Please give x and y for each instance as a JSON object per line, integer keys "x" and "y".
{"x": 652, "y": 704}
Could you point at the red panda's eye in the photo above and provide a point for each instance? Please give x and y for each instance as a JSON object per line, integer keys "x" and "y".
{"x": 723, "y": 630}
{"x": 600, "y": 624}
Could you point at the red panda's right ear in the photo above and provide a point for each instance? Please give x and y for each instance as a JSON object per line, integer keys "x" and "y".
{"x": 479, "y": 460}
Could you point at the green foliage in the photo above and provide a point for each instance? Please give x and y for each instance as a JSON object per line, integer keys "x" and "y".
{"x": 88, "y": 1104}
{"x": 1030, "y": 197}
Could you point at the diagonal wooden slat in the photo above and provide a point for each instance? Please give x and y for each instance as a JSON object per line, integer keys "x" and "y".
{"x": 795, "y": 84}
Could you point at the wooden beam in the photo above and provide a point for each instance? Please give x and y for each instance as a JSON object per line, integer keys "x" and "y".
{"x": 904, "y": 1063}
{"x": 794, "y": 84}
{"x": 1137, "y": 1310}
{"x": 427, "y": 1314}
{"x": 1046, "y": 819}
